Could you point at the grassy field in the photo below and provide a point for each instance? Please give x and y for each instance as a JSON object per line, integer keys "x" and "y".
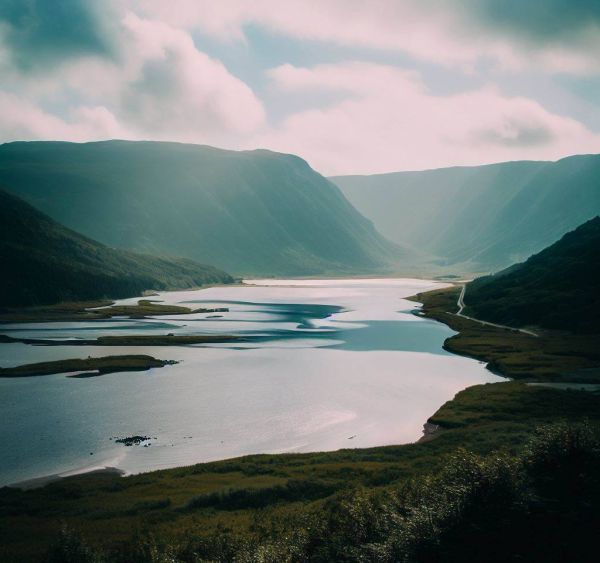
{"x": 553, "y": 356}
{"x": 240, "y": 501}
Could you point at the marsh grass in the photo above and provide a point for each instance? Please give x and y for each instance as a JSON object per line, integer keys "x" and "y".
{"x": 553, "y": 356}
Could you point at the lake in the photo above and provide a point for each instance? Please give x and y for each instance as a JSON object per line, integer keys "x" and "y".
{"x": 323, "y": 365}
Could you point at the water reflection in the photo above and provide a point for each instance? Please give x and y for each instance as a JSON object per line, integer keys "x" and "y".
{"x": 320, "y": 361}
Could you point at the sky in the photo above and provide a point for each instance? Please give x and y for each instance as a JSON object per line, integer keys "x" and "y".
{"x": 354, "y": 87}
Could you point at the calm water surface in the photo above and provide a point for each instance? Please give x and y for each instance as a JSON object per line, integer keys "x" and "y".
{"x": 325, "y": 364}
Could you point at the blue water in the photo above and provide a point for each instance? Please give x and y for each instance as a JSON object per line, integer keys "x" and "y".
{"x": 319, "y": 362}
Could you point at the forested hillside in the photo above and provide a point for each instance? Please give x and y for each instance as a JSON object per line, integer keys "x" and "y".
{"x": 43, "y": 262}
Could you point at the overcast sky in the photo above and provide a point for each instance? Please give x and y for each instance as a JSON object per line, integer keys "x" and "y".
{"x": 351, "y": 86}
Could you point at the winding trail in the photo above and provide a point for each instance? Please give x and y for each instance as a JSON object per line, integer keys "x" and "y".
{"x": 461, "y": 305}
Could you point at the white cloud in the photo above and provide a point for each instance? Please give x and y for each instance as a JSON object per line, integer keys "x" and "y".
{"x": 21, "y": 119}
{"x": 446, "y": 33}
{"x": 157, "y": 86}
{"x": 177, "y": 92}
{"x": 386, "y": 120}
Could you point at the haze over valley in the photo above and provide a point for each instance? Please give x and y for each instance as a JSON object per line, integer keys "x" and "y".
{"x": 481, "y": 218}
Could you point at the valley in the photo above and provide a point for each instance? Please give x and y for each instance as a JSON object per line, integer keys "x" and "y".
{"x": 231, "y": 413}
{"x": 221, "y": 497}
{"x": 299, "y": 282}
{"x": 256, "y": 213}
{"x": 307, "y": 346}
{"x": 480, "y": 219}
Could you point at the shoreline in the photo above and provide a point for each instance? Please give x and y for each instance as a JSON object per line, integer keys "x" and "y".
{"x": 39, "y": 482}
{"x": 429, "y": 432}
{"x": 105, "y": 309}
{"x": 557, "y": 356}
{"x": 461, "y": 307}
{"x": 99, "y": 308}
{"x": 202, "y": 498}
{"x": 90, "y": 367}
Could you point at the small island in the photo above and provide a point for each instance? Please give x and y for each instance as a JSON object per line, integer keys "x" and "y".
{"x": 89, "y": 367}
{"x": 97, "y": 310}
{"x": 128, "y": 340}
{"x": 132, "y": 440}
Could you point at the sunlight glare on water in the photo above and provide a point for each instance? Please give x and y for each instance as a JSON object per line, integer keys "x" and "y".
{"x": 325, "y": 364}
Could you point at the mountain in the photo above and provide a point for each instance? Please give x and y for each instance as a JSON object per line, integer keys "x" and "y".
{"x": 43, "y": 263}
{"x": 480, "y": 218}
{"x": 557, "y": 288}
{"x": 249, "y": 212}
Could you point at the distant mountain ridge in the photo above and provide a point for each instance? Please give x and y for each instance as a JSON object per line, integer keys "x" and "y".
{"x": 556, "y": 288}
{"x": 45, "y": 263}
{"x": 249, "y": 212}
{"x": 480, "y": 218}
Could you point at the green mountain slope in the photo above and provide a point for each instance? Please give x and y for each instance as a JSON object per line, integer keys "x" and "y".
{"x": 43, "y": 262}
{"x": 253, "y": 212}
{"x": 483, "y": 217}
{"x": 557, "y": 288}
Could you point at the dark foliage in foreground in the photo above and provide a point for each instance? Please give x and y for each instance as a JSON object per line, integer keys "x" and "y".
{"x": 43, "y": 263}
{"x": 557, "y": 288}
{"x": 539, "y": 506}
{"x": 293, "y": 490}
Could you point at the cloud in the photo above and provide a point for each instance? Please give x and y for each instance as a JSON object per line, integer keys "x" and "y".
{"x": 176, "y": 91}
{"x": 79, "y": 70}
{"x": 556, "y": 35}
{"x": 385, "y": 119}
{"x": 381, "y": 24}
{"x": 39, "y": 32}
{"x": 514, "y": 133}
{"x": 538, "y": 20}
{"x": 155, "y": 84}
{"x": 20, "y": 119}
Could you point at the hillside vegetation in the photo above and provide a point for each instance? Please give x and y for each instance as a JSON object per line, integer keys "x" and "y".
{"x": 480, "y": 218}
{"x": 43, "y": 262}
{"x": 249, "y": 212}
{"x": 516, "y": 494}
{"x": 556, "y": 288}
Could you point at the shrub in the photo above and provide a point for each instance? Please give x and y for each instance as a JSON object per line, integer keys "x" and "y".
{"x": 71, "y": 548}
